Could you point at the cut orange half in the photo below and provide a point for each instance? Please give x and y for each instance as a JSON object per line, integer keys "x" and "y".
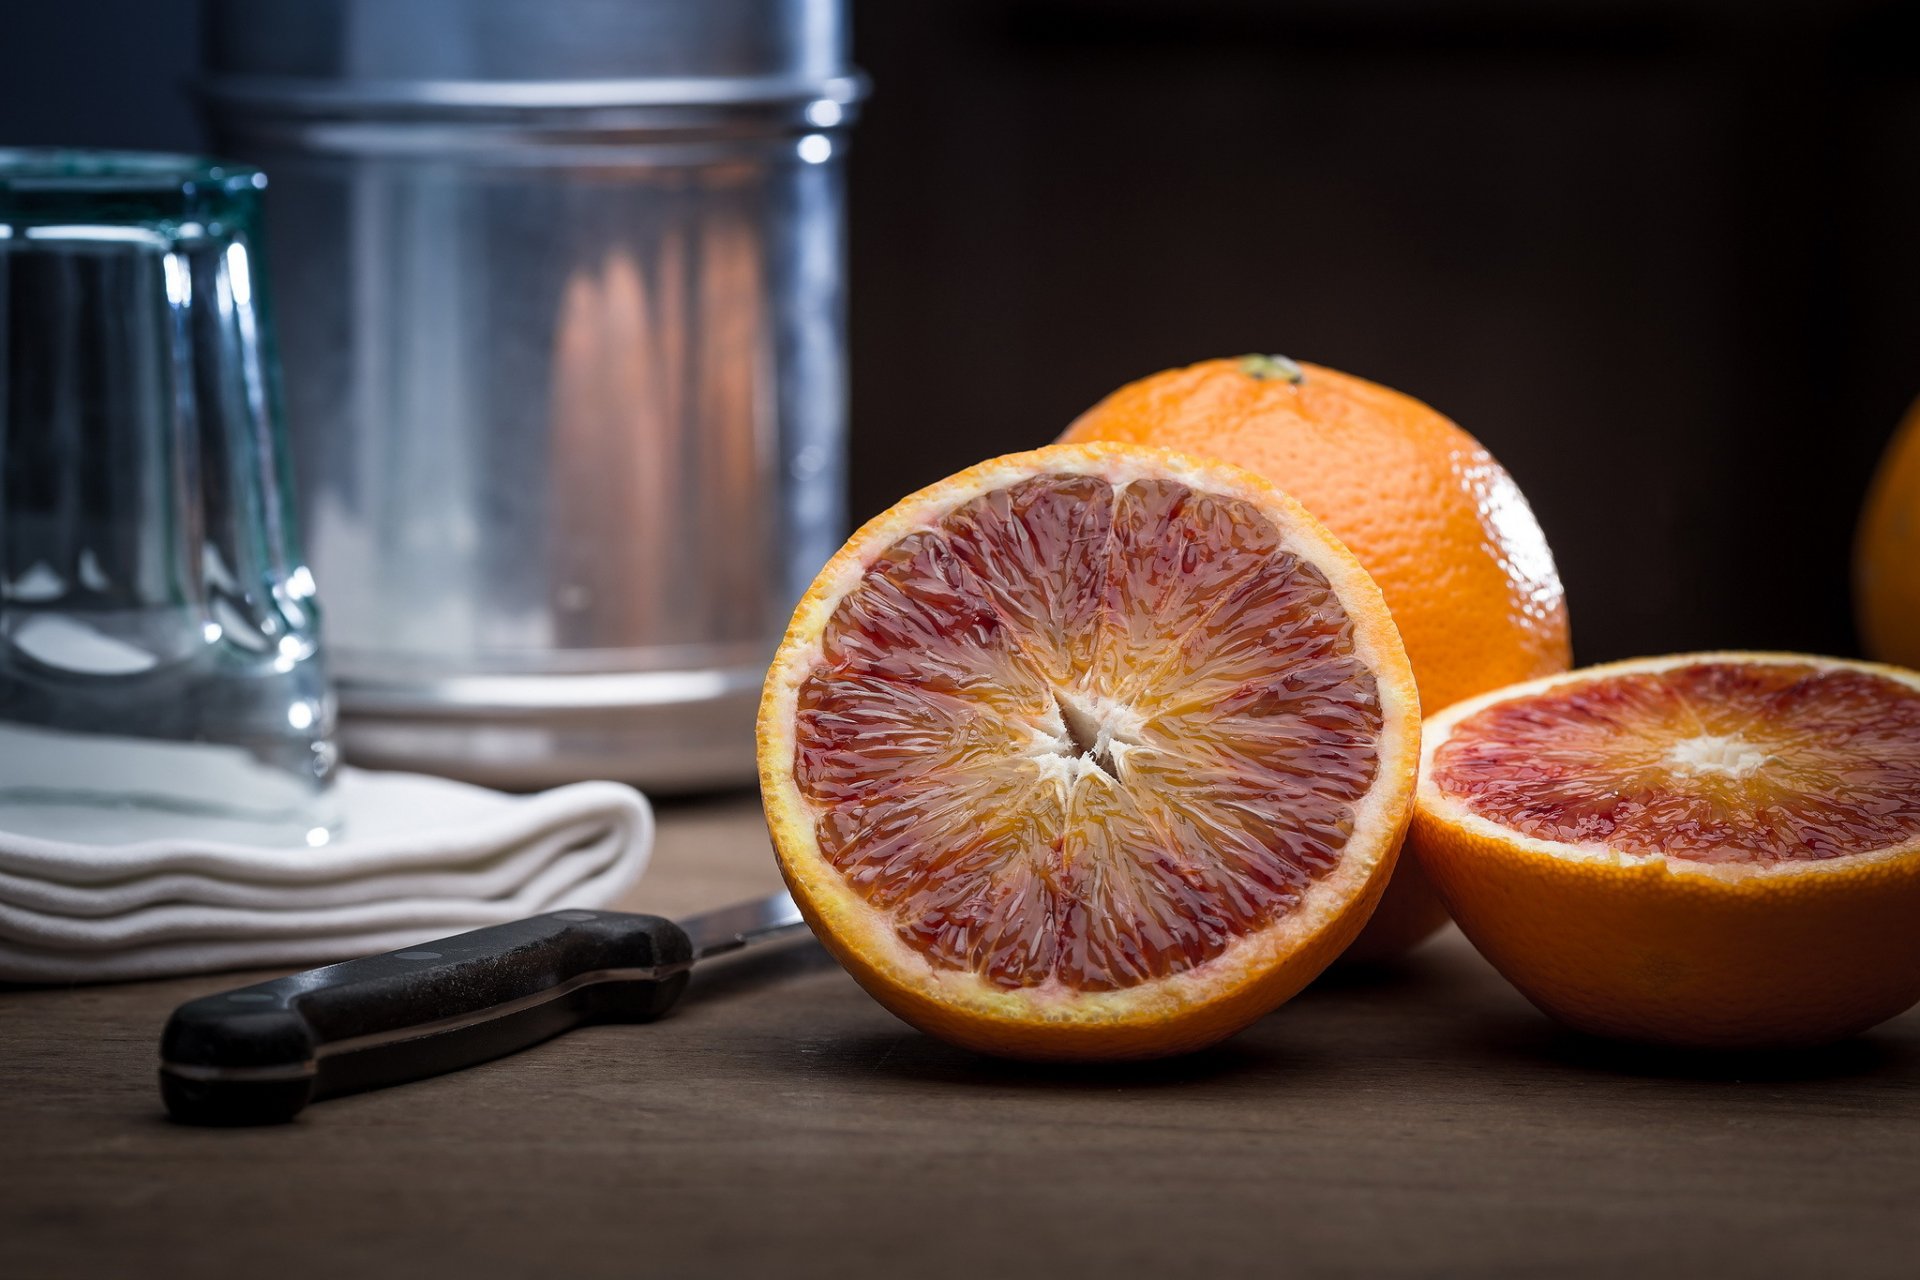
{"x": 1716, "y": 849}
{"x": 1097, "y": 751}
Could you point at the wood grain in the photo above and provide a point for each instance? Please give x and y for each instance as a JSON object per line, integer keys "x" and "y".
{"x": 1419, "y": 1122}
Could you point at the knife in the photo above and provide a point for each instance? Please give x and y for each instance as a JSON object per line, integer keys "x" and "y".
{"x": 259, "y": 1054}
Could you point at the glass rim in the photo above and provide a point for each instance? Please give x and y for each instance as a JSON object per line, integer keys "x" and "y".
{"x": 158, "y": 189}
{"x": 82, "y": 170}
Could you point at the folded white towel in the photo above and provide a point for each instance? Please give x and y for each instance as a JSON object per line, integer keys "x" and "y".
{"x": 419, "y": 858}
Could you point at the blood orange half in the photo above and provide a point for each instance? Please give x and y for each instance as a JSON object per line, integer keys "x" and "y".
{"x": 1710, "y": 849}
{"x": 1097, "y": 751}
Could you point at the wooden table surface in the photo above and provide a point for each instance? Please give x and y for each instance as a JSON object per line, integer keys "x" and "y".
{"x": 1420, "y": 1122}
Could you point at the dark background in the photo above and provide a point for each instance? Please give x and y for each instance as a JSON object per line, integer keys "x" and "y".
{"x": 1661, "y": 258}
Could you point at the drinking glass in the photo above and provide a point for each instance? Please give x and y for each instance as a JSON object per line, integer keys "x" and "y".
{"x": 160, "y": 671}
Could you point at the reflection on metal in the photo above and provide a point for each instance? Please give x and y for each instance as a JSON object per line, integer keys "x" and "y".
{"x": 561, "y": 312}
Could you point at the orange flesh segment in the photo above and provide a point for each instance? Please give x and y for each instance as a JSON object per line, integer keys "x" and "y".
{"x": 1713, "y": 762}
{"x": 1084, "y": 736}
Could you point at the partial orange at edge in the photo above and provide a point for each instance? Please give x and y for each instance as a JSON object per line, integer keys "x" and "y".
{"x": 1764, "y": 927}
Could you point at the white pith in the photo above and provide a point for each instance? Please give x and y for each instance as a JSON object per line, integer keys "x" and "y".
{"x": 1377, "y": 818}
{"x": 1109, "y": 728}
{"x": 1706, "y": 753}
{"x": 1712, "y": 753}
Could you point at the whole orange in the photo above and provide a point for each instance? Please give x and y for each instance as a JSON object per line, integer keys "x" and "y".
{"x": 1432, "y": 516}
{"x": 1886, "y": 561}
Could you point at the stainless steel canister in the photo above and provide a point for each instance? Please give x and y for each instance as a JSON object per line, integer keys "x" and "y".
{"x": 560, "y": 312}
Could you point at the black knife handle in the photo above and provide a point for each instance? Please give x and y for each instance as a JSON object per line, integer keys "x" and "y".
{"x": 259, "y": 1054}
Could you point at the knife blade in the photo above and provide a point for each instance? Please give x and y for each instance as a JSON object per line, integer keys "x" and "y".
{"x": 259, "y": 1054}
{"x": 742, "y": 925}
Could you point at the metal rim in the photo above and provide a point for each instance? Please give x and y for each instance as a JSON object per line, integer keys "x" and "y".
{"x": 458, "y": 98}
{"x": 519, "y": 696}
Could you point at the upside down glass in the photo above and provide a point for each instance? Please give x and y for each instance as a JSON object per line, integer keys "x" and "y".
{"x": 159, "y": 666}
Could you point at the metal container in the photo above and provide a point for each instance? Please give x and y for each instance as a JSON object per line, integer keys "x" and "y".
{"x": 560, "y": 303}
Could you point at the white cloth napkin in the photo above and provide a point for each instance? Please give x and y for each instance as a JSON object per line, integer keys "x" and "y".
{"x": 419, "y": 858}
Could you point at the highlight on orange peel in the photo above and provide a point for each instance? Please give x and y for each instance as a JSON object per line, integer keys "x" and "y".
{"x": 1886, "y": 556}
{"x": 1716, "y": 850}
{"x": 1093, "y": 752}
{"x": 1434, "y": 518}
